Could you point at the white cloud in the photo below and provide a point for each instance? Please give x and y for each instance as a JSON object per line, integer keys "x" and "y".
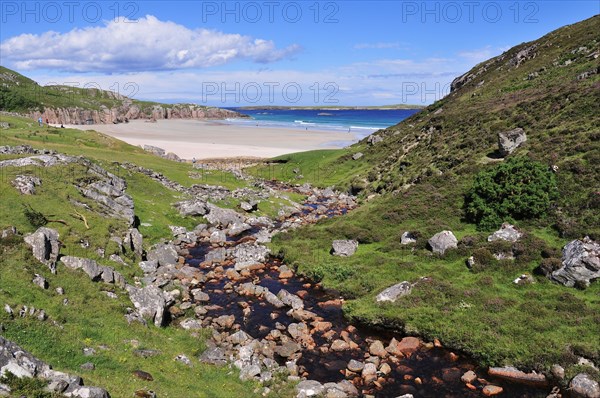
{"x": 145, "y": 44}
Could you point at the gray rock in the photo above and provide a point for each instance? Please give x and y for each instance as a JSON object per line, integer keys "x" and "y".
{"x": 408, "y": 238}
{"x": 580, "y": 263}
{"x": 237, "y": 228}
{"x": 344, "y": 248}
{"x": 26, "y": 184}
{"x": 164, "y": 254}
{"x": 214, "y": 356}
{"x": 134, "y": 242}
{"x": 191, "y": 324}
{"x": 8, "y": 310}
{"x": 88, "y": 366}
{"x": 40, "y": 281}
{"x": 148, "y": 266}
{"x": 357, "y": 156}
{"x": 216, "y": 255}
{"x": 154, "y": 150}
{"x": 10, "y": 231}
{"x": 149, "y": 302}
{"x": 507, "y": 233}
{"x": 192, "y": 208}
{"x": 309, "y": 388}
{"x": 374, "y": 139}
{"x": 392, "y": 293}
{"x": 287, "y": 349}
{"x": 248, "y": 254}
{"x": 291, "y": 300}
{"x": 218, "y": 236}
{"x": 222, "y": 217}
{"x": 45, "y": 245}
{"x": 90, "y": 267}
{"x": 557, "y": 371}
{"x": 510, "y": 140}
{"x": 88, "y": 392}
{"x": 583, "y": 386}
{"x": 15, "y": 360}
{"x": 249, "y": 372}
{"x": 249, "y": 206}
{"x": 181, "y": 358}
{"x": 355, "y": 366}
{"x": 443, "y": 241}
{"x": 146, "y": 353}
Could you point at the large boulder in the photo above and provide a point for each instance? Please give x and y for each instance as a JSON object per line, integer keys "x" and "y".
{"x": 344, "y": 248}
{"x": 393, "y": 293}
{"x": 90, "y": 267}
{"x": 580, "y": 263}
{"x": 222, "y": 217}
{"x": 45, "y": 245}
{"x": 507, "y": 233}
{"x": 246, "y": 255}
{"x": 443, "y": 241}
{"x": 510, "y": 140}
{"x": 163, "y": 254}
{"x": 192, "y": 208}
{"x": 583, "y": 386}
{"x": 150, "y": 302}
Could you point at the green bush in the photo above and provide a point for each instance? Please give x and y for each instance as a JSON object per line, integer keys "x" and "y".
{"x": 516, "y": 189}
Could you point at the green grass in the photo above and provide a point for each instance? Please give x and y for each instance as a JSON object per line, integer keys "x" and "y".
{"x": 91, "y": 319}
{"x": 479, "y": 311}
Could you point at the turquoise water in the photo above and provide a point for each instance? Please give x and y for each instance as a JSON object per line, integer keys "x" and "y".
{"x": 359, "y": 122}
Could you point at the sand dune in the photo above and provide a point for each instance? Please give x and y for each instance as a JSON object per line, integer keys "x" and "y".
{"x": 212, "y": 139}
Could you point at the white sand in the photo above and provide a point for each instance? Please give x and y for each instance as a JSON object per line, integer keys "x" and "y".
{"x": 212, "y": 139}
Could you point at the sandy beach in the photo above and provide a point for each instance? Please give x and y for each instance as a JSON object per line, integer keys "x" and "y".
{"x": 213, "y": 139}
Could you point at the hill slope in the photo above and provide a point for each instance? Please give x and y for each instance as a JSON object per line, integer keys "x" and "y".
{"x": 74, "y": 105}
{"x": 416, "y": 179}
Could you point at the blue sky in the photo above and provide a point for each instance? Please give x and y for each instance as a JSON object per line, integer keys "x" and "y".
{"x": 270, "y": 52}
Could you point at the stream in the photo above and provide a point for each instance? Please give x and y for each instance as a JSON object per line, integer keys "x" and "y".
{"x": 328, "y": 340}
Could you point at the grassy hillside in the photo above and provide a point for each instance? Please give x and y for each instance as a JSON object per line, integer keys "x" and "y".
{"x": 91, "y": 319}
{"x": 21, "y": 94}
{"x": 420, "y": 174}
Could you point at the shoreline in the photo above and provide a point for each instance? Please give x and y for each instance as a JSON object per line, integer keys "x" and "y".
{"x": 215, "y": 139}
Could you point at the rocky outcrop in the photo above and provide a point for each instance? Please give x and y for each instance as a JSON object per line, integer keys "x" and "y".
{"x": 344, "y": 248}
{"x": 20, "y": 363}
{"x": 130, "y": 111}
{"x": 26, "y": 184}
{"x": 510, "y": 140}
{"x": 507, "y": 233}
{"x": 150, "y": 302}
{"x": 443, "y": 241}
{"x": 580, "y": 263}
{"x": 45, "y": 245}
{"x": 163, "y": 254}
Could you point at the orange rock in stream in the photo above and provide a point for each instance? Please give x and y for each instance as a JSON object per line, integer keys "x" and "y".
{"x": 301, "y": 293}
{"x": 491, "y": 390}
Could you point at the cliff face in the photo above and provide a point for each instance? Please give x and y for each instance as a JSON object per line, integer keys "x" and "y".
{"x": 73, "y": 105}
{"x": 126, "y": 112}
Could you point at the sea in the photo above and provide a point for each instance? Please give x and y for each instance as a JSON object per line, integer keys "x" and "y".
{"x": 359, "y": 122}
